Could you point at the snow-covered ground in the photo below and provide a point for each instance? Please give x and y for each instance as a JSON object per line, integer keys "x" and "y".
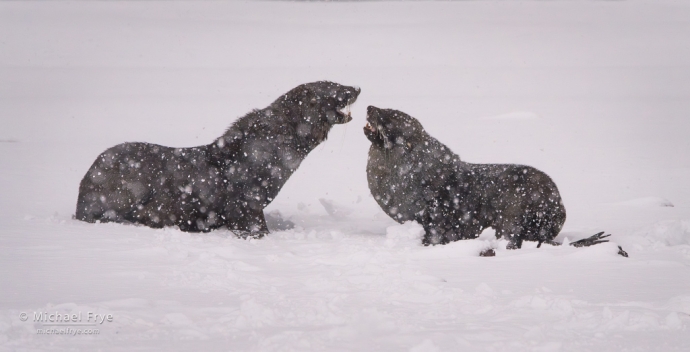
{"x": 596, "y": 94}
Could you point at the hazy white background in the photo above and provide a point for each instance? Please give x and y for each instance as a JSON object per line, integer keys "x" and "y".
{"x": 595, "y": 93}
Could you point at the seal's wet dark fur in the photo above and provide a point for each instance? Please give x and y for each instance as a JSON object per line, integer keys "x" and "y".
{"x": 226, "y": 183}
{"x": 413, "y": 176}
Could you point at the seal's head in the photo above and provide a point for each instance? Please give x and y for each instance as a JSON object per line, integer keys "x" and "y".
{"x": 388, "y": 128}
{"x": 321, "y": 102}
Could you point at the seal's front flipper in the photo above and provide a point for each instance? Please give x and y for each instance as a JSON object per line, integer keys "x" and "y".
{"x": 488, "y": 252}
{"x": 590, "y": 241}
{"x": 435, "y": 223}
{"x": 251, "y": 225}
{"x": 552, "y": 242}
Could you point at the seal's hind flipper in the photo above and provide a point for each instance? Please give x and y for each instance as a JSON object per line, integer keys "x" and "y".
{"x": 590, "y": 241}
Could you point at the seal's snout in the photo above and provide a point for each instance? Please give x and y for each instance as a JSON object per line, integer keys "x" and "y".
{"x": 375, "y": 116}
{"x": 346, "y": 96}
{"x": 370, "y": 129}
{"x": 352, "y": 94}
{"x": 373, "y": 113}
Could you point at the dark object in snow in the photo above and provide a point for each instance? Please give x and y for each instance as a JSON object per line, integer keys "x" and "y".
{"x": 333, "y": 209}
{"x": 586, "y": 242}
{"x": 622, "y": 252}
{"x": 226, "y": 183}
{"x": 590, "y": 241}
{"x": 413, "y": 176}
{"x": 489, "y": 252}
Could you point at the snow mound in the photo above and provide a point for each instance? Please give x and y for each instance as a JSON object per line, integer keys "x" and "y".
{"x": 409, "y": 233}
{"x": 668, "y": 232}
{"x": 680, "y": 304}
{"x": 426, "y": 346}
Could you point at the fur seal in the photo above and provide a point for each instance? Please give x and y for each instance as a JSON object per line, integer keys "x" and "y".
{"x": 415, "y": 177}
{"x": 226, "y": 183}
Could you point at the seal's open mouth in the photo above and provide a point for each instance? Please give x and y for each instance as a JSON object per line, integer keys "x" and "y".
{"x": 345, "y": 97}
{"x": 345, "y": 100}
{"x": 370, "y": 128}
{"x": 374, "y": 130}
{"x": 372, "y": 125}
{"x": 345, "y": 113}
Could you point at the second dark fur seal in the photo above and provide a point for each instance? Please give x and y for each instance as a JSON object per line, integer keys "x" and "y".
{"x": 415, "y": 177}
{"x": 226, "y": 183}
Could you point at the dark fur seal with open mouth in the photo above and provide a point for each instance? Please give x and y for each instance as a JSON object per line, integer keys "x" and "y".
{"x": 226, "y": 183}
{"x": 413, "y": 176}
